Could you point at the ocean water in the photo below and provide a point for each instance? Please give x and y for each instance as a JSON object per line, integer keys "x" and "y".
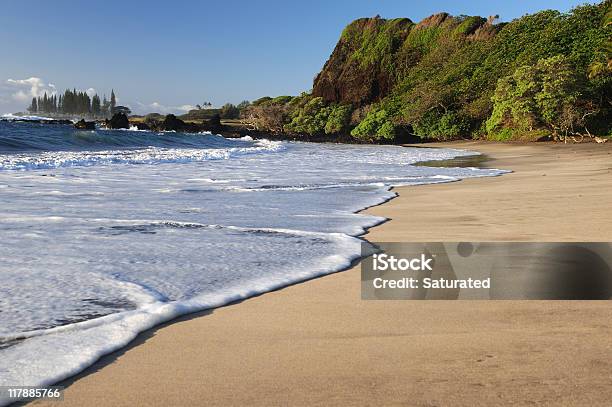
{"x": 104, "y": 234}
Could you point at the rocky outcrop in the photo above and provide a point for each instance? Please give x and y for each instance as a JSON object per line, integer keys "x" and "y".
{"x": 172, "y": 123}
{"x": 142, "y": 126}
{"x": 374, "y": 54}
{"x": 83, "y": 125}
{"x": 359, "y": 69}
{"x": 213, "y": 124}
{"x": 118, "y": 121}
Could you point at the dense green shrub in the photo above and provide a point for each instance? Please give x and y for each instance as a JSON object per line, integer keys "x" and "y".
{"x": 311, "y": 118}
{"x": 261, "y": 101}
{"x": 469, "y": 25}
{"x": 541, "y": 96}
{"x": 280, "y": 100}
{"x": 442, "y": 126}
{"x": 339, "y": 119}
{"x": 375, "y": 125}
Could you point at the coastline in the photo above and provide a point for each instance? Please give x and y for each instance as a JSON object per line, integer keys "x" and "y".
{"x": 441, "y": 353}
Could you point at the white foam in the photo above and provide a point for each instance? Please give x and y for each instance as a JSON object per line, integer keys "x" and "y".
{"x": 51, "y": 355}
{"x": 11, "y": 116}
{"x": 150, "y": 155}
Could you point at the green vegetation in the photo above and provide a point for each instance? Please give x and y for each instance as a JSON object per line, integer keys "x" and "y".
{"x": 375, "y": 125}
{"x": 309, "y": 117}
{"x": 546, "y": 95}
{"x": 73, "y": 102}
{"x": 377, "y": 39}
{"x": 545, "y": 74}
{"x": 304, "y": 114}
{"x": 339, "y": 119}
{"x": 200, "y": 114}
{"x": 229, "y": 111}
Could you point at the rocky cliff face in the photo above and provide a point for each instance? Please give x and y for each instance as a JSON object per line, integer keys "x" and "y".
{"x": 373, "y": 54}
{"x": 355, "y": 71}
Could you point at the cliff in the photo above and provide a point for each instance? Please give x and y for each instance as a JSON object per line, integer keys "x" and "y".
{"x": 542, "y": 76}
{"x": 373, "y": 53}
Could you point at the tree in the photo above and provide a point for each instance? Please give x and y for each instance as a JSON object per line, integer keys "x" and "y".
{"x": 123, "y": 109}
{"x": 105, "y": 107}
{"x": 267, "y": 118}
{"x": 374, "y": 126}
{"x": 113, "y": 102}
{"x": 243, "y": 105}
{"x": 34, "y": 106}
{"x": 96, "y": 106}
{"x": 311, "y": 118}
{"x": 229, "y": 111}
{"x": 72, "y": 102}
{"x": 338, "y": 119}
{"x": 543, "y": 96}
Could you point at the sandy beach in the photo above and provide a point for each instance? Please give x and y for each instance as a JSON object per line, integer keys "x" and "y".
{"x": 318, "y": 343}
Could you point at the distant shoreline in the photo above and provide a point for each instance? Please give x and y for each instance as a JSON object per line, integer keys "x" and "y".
{"x": 235, "y": 129}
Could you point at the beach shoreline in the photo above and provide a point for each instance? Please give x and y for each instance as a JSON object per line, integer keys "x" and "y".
{"x": 399, "y": 352}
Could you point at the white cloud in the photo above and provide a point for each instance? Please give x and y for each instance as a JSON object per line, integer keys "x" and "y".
{"x": 186, "y": 108}
{"x": 91, "y": 92}
{"x": 157, "y": 107}
{"x": 30, "y": 88}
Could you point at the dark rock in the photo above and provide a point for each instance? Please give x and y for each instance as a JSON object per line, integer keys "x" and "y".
{"x": 213, "y": 124}
{"x": 83, "y": 125}
{"x": 143, "y": 126}
{"x": 345, "y": 79}
{"x": 546, "y": 137}
{"x": 215, "y": 120}
{"x": 119, "y": 121}
{"x": 404, "y": 134}
{"x": 172, "y": 123}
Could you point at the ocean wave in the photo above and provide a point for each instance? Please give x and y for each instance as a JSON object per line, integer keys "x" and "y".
{"x": 12, "y": 117}
{"x": 150, "y": 155}
{"x": 34, "y": 137}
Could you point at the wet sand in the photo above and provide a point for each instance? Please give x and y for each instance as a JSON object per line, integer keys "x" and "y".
{"x": 318, "y": 343}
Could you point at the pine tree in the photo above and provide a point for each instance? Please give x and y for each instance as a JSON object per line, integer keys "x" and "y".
{"x": 95, "y": 105}
{"x": 105, "y": 107}
{"x": 73, "y": 102}
{"x": 33, "y": 107}
{"x": 113, "y": 101}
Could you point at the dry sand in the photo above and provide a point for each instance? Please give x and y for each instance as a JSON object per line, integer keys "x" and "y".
{"x": 317, "y": 343}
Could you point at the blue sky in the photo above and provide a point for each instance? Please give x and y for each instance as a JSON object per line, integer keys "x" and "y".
{"x": 167, "y": 56}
